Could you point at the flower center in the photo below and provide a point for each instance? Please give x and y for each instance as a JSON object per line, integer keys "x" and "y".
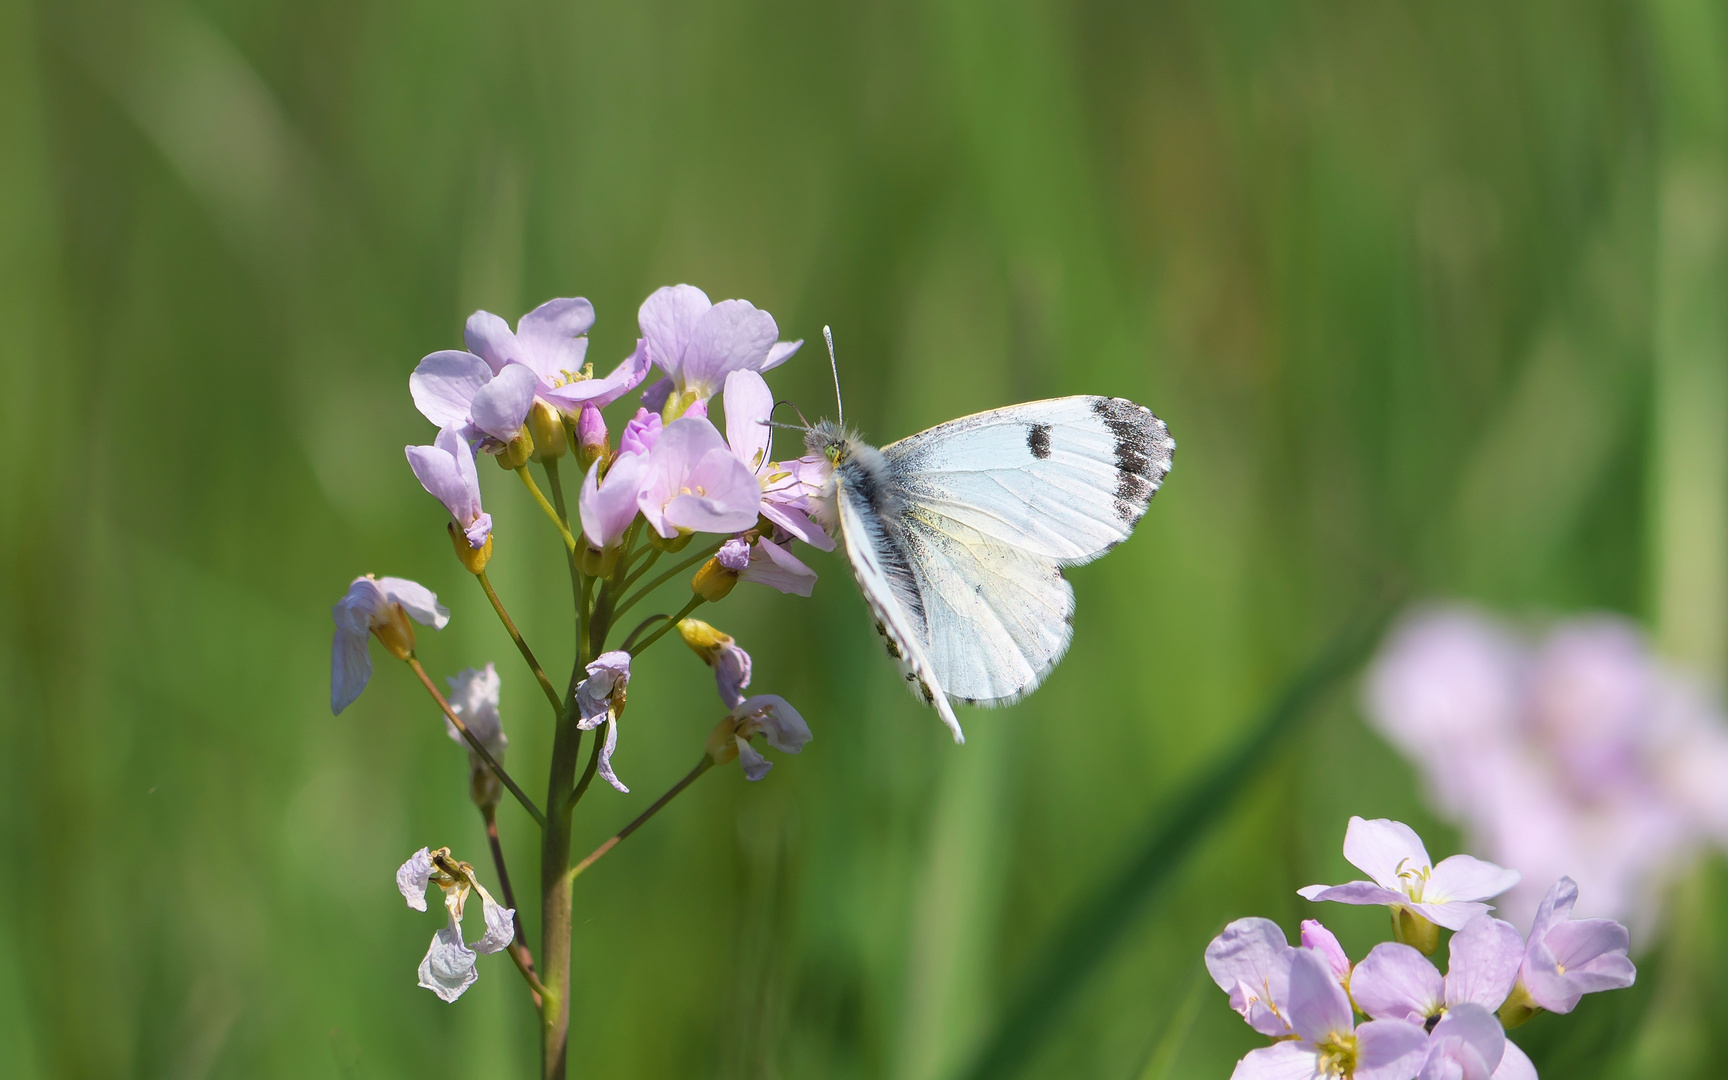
{"x": 565, "y": 378}
{"x": 1414, "y": 879}
{"x": 1338, "y": 1054}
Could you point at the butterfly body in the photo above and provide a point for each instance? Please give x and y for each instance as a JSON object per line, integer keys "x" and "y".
{"x": 957, "y": 536}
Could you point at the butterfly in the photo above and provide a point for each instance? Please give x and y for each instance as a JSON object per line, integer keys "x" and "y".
{"x": 957, "y": 536}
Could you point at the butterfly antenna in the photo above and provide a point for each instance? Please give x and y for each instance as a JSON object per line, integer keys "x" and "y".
{"x": 839, "y": 406}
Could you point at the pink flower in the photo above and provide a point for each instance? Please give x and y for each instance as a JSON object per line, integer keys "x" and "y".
{"x": 599, "y": 700}
{"x": 698, "y": 343}
{"x": 694, "y": 483}
{"x": 1250, "y": 961}
{"x": 772, "y": 717}
{"x": 1329, "y": 1041}
{"x": 1395, "y": 982}
{"x": 379, "y": 606}
{"x": 460, "y": 391}
{"x": 607, "y": 507}
{"x": 551, "y": 341}
{"x": 446, "y": 470}
{"x": 1468, "y": 1043}
{"x": 1567, "y": 958}
{"x": 1449, "y": 894}
{"x": 785, "y": 500}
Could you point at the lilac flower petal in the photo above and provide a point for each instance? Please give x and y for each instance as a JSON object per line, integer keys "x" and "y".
{"x": 1555, "y": 907}
{"x": 1452, "y": 914}
{"x": 654, "y": 398}
{"x": 1395, "y": 982}
{"x": 417, "y": 600}
{"x": 731, "y": 673}
{"x": 729, "y": 336}
{"x": 611, "y": 744}
{"x": 780, "y": 353}
{"x": 500, "y": 926}
{"x": 1353, "y": 892}
{"x": 501, "y": 406}
{"x": 755, "y": 765}
{"x": 695, "y": 484}
{"x": 448, "y": 968}
{"x": 413, "y": 876}
{"x": 604, "y": 391}
{"x": 479, "y": 532}
{"x": 1319, "y": 1008}
{"x": 1284, "y": 1061}
{"x": 776, "y": 719}
{"x": 1515, "y": 1064}
{"x": 551, "y": 337}
{"x": 594, "y": 695}
{"x": 1245, "y": 962}
{"x": 1483, "y": 1040}
{"x": 1324, "y": 942}
{"x": 444, "y": 384}
{"x": 446, "y": 470}
{"x": 777, "y": 568}
{"x": 607, "y": 508}
{"x": 749, "y": 404}
{"x": 350, "y": 666}
{"x": 667, "y": 320}
{"x": 798, "y": 524}
{"x": 1483, "y": 964}
{"x": 1382, "y": 848}
{"x": 1389, "y": 1050}
{"x": 1592, "y": 951}
{"x": 1463, "y": 877}
{"x": 489, "y": 337}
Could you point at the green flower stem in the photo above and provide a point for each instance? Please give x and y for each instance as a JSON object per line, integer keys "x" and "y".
{"x": 705, "y": 553}
{"x": 630, "y": 638}
{"x": 477, "y": 746}
{"x": 642, "y": 647}
{"x": 527, "y": 653}
{"x": 647, "y": 564}
{"x": 701, "y": 767}
{"x": 534, "y": 490}
{"x": 518, "y": 947}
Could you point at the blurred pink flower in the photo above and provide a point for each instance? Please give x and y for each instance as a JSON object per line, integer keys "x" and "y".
{"x": 774, "y": 718}
{"x": 1567, "y": 958}
{"x": 372, "y": 605}
{"x": 1580, "y": 755}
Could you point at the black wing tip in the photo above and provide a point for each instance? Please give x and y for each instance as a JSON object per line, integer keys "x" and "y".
{"x": 1144, "y": 451}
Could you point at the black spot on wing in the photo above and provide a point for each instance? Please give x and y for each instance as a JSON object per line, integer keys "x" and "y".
{"x": 1142, "y": 453}
{"x": 1038, "y": 440}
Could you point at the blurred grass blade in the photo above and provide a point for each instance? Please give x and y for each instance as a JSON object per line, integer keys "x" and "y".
{"x": 1078, "y": 947}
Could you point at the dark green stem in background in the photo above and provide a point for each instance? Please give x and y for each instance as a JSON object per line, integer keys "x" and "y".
{"x": 695, "y": 602}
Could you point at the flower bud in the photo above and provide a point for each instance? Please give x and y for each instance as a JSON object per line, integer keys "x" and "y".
{"x": 722, "y": 745}
{"x": 474, "y": 559}
{"x": 393, "y": 629}
{"x": 519, "y": 450}
{"x": 548, "y": 431}
{"x": 593, "y": 442}
{"x": 713, "y": 581}
{"x": 703, "y": 639}
{"x": 1411, "y": 929}
{"x": 596, "y": 564}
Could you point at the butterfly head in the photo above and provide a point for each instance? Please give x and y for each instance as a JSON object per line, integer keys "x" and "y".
{"x": 832, "y": 441}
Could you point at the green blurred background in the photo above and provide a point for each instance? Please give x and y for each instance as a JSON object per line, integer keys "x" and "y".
{"x": 1431, "y": 297}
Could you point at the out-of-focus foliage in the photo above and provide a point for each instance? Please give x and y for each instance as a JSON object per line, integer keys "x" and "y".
{"x": 1428, "y": 294}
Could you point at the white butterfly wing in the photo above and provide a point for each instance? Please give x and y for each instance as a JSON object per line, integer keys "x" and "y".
{"x": 1066, "y": 478}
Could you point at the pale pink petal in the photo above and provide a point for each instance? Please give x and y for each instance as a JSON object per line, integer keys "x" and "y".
{"x": 654, "y": 397}
{"x": 1483, "y": 962}
{"x": 667, "y": 319}
{"x": 748, "y": 406}
{"x": 489, "y": 337}
{"x": 797, "y": 524}
{"x": 607, "y": 509}
{"x": 602, "y": 392}
{"x": 1515, "y": 1064}
{"x": 1319, "y": 1008}
{"x": 444, "y": 384}
{"x": 780, "y": 353}
{"x": 1284, "y": 1061}
{"x": 1473, "y": 1037}
{"x": 776, "y": 719}
{"x": 1383, "y": 849}
{"x": 1464, "y": 877}
{"x": 1250, "y": 962}
{"x": 611, "y": 744}
{"x": 719, "y": 495}
{"x": 448, "y": 968}
{"x": 1555, "y": 907}
{"x": 729, "y": 336}
{"x": 1452, "y": 914}
{"x": 1389, "y": 1050}
{"x": 1352, "y": 892}
{"x": 1324, "y": 942}
{"x": 500, "y": 927}
{"x": 551, "y": 337}
{"x": 501, "y": 406}
{"x": 417, "y": 600}
{"x": 774, "y": 566}
{"x": 414, "y": 876}
{"x": 1395, "y": 982}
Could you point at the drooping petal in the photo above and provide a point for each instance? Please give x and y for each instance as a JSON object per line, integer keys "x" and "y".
{"x": 774, "y": 566}
{"x": 797, "y": 523}
{"x": 749, "y": 403}
{"x": 780, "y": 353}
{"x": 667, "y": 320}
{"x": 551, "y": 338}
{"x": 413, "y": 877}
{"x": 606, "y": 750}
{"x": 755, "y": 765}
{"x": 489, "y": 337}
{"x": 1463, "y": 877}
{"x": 607, "y": 508}
{"x": 446, "y": 470}
{"x": 776, "y": 719}
{"x": 594, "y": 695}
{"x": 1483, "y": 962}
{"x": 1324, "y": 942}
{"x": 731, "y": 673}
{"x": 1352, "y": 892}
{"x": 1319, "y": 1008}
{"x": 1283, "y": 1061}
{"x": 1395, "y": 982}
{"x": 444, "y": 384}
{"x": 417, "y": 600}
{"x": 350, "y": 663}
{"x": 448, "y": 968}
{"x": 501, "y": 407}
{"x": 1244, "y": 962}
{"x": 1383, "y": 849}
{"x": 1389, "y": 1050}
{"x": 730, "y": 336}
{"x": 500, "y": 925}
{"x": 604, "y": 391}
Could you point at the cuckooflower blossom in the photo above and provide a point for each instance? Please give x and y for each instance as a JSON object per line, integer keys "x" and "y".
{"x": 721, "y": 652}
{"x": 448, "y": 968}
{"x": 608, "y": 506}
{"x": 458, "y": 390}
{"x": 1250, "y": 961}
{"x": 1396, "y": 982}
{"x": 599, "y": 700}
{"x": 766, "y": 714}
{"x": 695, "y": 484}
{"x": 1449, "y": 894}
{"x": 697, "y": 343}
{"x": 474, "y": 698}
{"x": 1329, "y": 1042}
{"x": 1566, "y": 958}
{"x": 551, "y": 341}
{"x": 785, "y": 501}
{"x": 380, "y": 606}
{"x": 446, "y": 470}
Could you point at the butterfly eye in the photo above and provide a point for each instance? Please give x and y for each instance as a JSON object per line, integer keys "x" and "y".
{"x": 832, "y": 453}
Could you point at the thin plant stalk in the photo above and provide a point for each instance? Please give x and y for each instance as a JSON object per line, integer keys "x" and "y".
{"x": 689, "y": 778}
{"x": 521, "y": 645}
{"x": 475, "y": 744}
{"x": 642, "y": 646}
{"x": 705, "y": 553}
{"x": 551, "y": 514}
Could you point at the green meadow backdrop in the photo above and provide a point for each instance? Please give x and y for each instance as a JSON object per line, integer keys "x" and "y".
{"x": 1431, "y": 296}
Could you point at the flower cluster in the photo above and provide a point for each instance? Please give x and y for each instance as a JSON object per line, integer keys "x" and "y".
{"x": 1581, "y": 754}
{"x": 1418, "y": 1023}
